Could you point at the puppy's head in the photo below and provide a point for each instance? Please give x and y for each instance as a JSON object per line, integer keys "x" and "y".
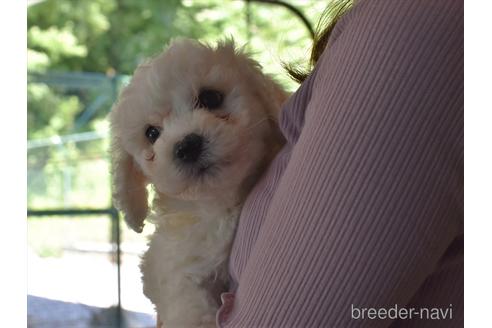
{"x": 196, "y": 122}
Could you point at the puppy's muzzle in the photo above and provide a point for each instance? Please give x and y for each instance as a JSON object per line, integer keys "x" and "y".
{"x": 190, "y": 149}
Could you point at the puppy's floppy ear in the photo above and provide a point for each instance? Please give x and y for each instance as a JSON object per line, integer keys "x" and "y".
{"x": 129, "y": 186}
{"x": 269, "y": 92}
{"x": 277, "y": 96}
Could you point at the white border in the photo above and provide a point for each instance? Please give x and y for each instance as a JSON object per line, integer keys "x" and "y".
{"x": 13, "y": 271}
{"x": 478, "y": 164}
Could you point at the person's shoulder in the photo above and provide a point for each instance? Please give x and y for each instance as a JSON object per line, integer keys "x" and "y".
{"x": 384, "y": 21}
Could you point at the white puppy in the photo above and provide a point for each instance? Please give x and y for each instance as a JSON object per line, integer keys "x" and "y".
{"x": 199, "y": 123}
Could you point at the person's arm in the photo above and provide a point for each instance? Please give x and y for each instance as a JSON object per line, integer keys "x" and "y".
{"x": 371, "y": 197}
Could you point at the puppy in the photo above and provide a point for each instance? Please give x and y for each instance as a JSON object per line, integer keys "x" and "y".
{"x": 199, "y": 124}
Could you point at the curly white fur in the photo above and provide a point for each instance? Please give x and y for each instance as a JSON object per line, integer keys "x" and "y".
{"x": 195, "y": 209}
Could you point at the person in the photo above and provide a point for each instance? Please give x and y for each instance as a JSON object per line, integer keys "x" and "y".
{"x": 359, "y": 219}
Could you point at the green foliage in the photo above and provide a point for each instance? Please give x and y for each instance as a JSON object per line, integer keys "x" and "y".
{"x": 102, "y": 35}
{"x": 50, "y": 113}
{"x": 99, "y": 35}
{"x": 56, "y": 43}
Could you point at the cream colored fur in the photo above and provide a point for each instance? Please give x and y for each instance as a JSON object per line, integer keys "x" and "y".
{"x": 185, "y": 268}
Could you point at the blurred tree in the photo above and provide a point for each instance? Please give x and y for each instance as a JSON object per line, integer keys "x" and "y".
{"x": 102, "y": 35}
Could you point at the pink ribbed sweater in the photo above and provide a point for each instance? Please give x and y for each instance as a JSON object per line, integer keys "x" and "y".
{"x": 363, "y": 207}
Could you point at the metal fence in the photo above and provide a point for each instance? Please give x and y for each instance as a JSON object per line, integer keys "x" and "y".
{"x": 56, "y": 159}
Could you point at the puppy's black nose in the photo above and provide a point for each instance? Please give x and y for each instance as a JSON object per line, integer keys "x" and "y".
{"x": 189, "y": 149}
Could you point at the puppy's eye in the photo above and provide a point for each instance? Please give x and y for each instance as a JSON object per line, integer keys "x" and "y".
{"x": 152, "y": 133}
{"x": 210, "y": 99}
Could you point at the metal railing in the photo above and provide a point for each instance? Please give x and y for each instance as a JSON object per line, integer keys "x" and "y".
{"x": 109, "y": 86}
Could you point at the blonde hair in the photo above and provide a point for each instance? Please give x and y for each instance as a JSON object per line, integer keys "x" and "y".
{"x": 332, "y": 14}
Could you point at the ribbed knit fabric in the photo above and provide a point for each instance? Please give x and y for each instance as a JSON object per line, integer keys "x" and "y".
{"x": 364, "y": 205}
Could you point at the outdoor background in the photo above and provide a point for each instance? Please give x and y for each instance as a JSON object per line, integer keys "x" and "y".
{"x": 80, "y": 54}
